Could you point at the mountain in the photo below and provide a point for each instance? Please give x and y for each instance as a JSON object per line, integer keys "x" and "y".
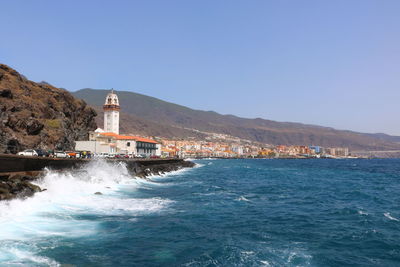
{"x": 385, "y": 137}
{"x": 38, "y": 115}
{"x": 151, "y": 116}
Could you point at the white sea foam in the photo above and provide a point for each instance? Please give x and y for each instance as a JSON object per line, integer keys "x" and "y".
{"x": 56, "y": 211}
{"x": 242, "y": 198}
{"x": 265, "y": 263}
{"x": 248, "y": 252}
{"x": 362, "y": 212}
{"x": 17, "y": 257}
{"x": 387, "y": 215}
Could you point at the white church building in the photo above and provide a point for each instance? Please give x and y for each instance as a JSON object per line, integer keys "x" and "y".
{"x": 108, "y": 140}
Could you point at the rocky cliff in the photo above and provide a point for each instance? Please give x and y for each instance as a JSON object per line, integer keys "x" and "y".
{"x": 38, "y": 115}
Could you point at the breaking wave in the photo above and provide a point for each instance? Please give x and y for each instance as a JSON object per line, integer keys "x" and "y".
{"x": 98, "y": 189}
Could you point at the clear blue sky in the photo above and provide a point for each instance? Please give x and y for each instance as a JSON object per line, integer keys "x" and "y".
{"x": 332, "y": 63}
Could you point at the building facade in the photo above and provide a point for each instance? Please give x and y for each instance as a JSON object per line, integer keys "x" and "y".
{"x": 110, "y": 141}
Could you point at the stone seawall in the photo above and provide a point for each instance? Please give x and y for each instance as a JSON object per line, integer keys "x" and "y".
{"x": 14, "y": 163}
{"x": 17, "y": 172}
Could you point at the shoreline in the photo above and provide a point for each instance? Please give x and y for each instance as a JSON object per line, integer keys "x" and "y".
{"x": 17, "y": 172}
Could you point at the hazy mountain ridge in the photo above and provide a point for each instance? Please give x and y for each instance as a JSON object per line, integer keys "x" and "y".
{"x": 170, "y": 118}
{"x": 131, "y": 124}
{"x": 385, "y": 137}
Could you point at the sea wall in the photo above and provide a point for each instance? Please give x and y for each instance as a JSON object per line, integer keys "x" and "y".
{"x": 14, "y": 163}
{"x": 17, "y": 172}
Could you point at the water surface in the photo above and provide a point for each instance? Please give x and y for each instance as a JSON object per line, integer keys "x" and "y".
{"x": 222, "y": 213}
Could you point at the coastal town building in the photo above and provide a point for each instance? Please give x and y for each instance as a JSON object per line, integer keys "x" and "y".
{"x": 241, "y": 149}
{"x": 108, "y": 140}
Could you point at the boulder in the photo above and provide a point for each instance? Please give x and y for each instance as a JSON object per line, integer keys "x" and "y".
{"x": 6, "y": 93}
{"x": 17, "y": 186}
{"x": 34, "y": 127}
{"x": 16, "y": 108}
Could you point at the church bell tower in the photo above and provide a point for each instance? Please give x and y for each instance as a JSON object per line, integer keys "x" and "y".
{"x": 111, "y": 113}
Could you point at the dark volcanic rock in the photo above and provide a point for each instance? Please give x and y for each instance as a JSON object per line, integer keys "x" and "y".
{"x": 17, "y": 186}
{"x": 16, "y": 109}
{"x": 143, "y": 170}
{"x": 39, "y": 115}
{"x": 13, "y": 146}
{"x": 6, "y": 93}
{"x": 34, "y": 127}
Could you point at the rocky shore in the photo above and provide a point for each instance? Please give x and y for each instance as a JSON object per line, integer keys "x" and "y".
{"x": 146, "y": 170}
{"x": 20, "y": 184}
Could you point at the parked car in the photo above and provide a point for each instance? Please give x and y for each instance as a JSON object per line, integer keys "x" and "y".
{"x": 102, "y": 155}
{"x": 111, "y": 156}
{"x": 122, "y": 156}
{"x": 154, "y": 157}
{"x": 60, "y": 154}
{"x": 71, "y": 154}
{"x": 42, "y": 153}
{"x": 28, "y": 152}
{"x": 85, "y": 154}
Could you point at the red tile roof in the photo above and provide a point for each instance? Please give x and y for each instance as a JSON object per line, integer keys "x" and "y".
{"x": 128, "y": 137}
{"x": 145, "y": 140}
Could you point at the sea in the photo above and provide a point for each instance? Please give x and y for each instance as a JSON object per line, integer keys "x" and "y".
{"x": 244, "y": 212}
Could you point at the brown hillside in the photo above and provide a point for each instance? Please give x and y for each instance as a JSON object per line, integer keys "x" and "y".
{"x": 38, "y": 115}
{"x": 131, "y": 124}
{"x": 166, "y": 119}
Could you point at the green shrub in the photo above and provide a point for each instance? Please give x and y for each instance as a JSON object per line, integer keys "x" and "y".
{"x": 53, "y": 123}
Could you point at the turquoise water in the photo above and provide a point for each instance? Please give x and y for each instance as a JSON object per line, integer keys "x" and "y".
{"x": 221, "y": 213}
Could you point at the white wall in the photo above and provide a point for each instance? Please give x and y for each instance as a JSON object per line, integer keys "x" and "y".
{"x": 92, "y": 146}
{"x": 158, "y": 151}
{"x": 111, "y": 121}
{"x": 123, "y": 146}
